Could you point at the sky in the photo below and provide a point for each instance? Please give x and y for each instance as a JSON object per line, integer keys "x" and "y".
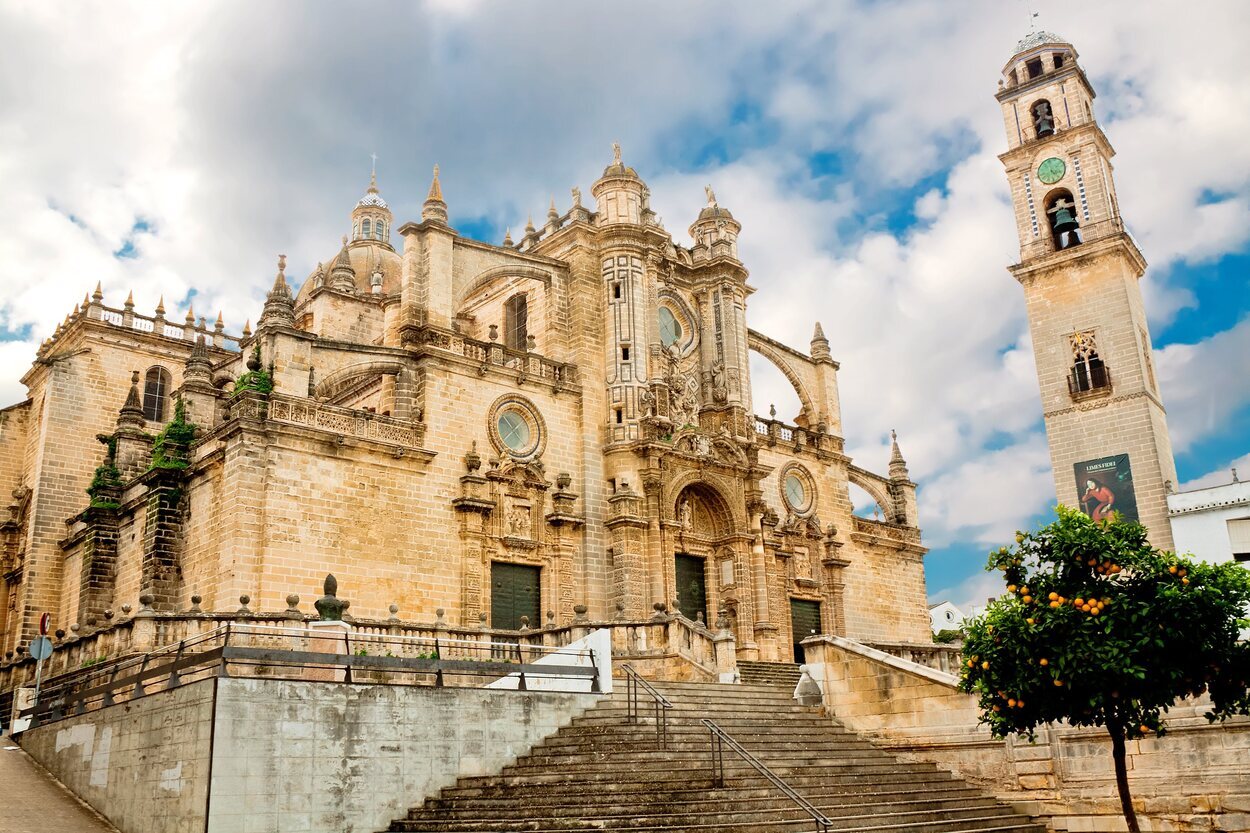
{"x": 176, "y": 149}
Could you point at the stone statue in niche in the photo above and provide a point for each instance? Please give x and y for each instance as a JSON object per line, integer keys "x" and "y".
{"x": 685, "y": 514}
{"x": 646, "y": 402}
{"x": 518, "y": 521}
{"x": 702, "y": 445}
{"x": 720, "y": 384}
{"x": 802, "y": 564}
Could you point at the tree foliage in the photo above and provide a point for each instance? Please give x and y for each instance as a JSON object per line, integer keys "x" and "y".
{"x": 1098, "y": 628}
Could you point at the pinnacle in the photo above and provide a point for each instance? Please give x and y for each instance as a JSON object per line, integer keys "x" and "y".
{"x": 160, "y": 306}
{"x": 99, "y": 292}
{"x": 436, "y": 189}
{"x": 818, "y": 334}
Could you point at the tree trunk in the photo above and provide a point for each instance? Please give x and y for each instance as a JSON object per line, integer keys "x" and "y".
{"x": 1121, "y": 777}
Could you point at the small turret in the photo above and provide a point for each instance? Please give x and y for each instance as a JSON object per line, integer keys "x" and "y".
{"x": 715, "y": 232}
{"x": 619, "y": 193}
{"x": 371, "y": 218}
{"x": 434, "y": 210}
{"x": 133, "y": 446}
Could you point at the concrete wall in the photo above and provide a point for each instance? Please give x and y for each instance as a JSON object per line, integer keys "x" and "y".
{"x": 1196, "y": 778}
{"x": 144, "y": 766}
{"x": 337, "y": 758}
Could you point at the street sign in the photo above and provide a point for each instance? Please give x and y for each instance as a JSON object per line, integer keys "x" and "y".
{"x": 44, "y": 621}
{"x": 41, "y": 648}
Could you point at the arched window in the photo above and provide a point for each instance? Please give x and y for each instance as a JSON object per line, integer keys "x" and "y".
{"x": 1043, "y": 119}
{"x": 355, "y": 230}
{"x": 1088, "y": 370}
{"x": 379, "y": 230}
{"x": 155, "y": 394}
{"x": 516, "y": 313}
{"x": 365, "y": 229}
{"x": 1061, "y": 211}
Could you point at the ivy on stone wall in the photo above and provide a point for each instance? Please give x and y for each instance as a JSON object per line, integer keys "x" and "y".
{"x": 169, "y": 449}
{"x": 256, "y": 378}
{"x": 107, "y": 480}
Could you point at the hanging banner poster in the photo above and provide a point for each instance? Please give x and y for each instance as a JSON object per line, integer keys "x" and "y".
{"x": 1105, "y": 486}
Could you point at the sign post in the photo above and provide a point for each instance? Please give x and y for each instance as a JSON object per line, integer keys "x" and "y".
{"x": 41, "y": 649}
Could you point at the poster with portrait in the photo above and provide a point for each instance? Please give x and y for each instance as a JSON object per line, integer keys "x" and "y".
{"x": 1105, "y": 486}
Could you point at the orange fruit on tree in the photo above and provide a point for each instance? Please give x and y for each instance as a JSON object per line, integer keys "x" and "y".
{"x": 1059, "y": 683}
{"x": 985, "y": 666}
{"x": 1054, "y": 597}
{"x": 1043, "y": 661}
{"x": 1172, "y": 569}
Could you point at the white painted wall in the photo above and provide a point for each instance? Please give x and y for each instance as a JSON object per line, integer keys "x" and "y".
{"x": 1200, "y": 519}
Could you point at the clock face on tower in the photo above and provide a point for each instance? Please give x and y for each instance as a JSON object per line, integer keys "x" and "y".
{"x": 1052, "y": 170}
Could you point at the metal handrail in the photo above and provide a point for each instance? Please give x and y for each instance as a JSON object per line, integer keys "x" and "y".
{"x": 660, "y": 703}
{"x": 720, "y": 739}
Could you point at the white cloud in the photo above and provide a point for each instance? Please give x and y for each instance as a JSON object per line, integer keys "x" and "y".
{"x": 1221, "y": 475}
{"x": 973, "y": 592}
{"x": 1205, "y": 383}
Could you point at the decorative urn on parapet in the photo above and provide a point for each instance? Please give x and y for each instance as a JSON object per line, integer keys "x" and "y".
{"x": 330, "y": 607}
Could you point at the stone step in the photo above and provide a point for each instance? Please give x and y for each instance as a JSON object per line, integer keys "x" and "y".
{"x": 605, "y": 772}
{"x": 988, "y": 824}
{"x": 695, "y": 820}
{"x": 681, "y": 800}
{"x": 614, "y": 781}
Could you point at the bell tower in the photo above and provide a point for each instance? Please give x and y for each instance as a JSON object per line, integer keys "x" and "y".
{"x": 1079, "y": 267}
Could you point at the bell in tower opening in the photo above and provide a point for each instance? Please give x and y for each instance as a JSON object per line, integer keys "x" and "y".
{"x": 1043, "y": 119}
{"x": 1062, "y": 212}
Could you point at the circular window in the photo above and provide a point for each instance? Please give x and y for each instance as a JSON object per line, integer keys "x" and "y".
{"x": 797, "y": 489}
{"x": 514, "y": 431}
{"x": 516, "y": 428}
{"x": 670, "y": 328}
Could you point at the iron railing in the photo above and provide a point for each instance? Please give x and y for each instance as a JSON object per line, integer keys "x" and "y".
{"x": 721, "y": 739}
{"x": 300, "y": 653}
{"x": 660, "y": 704}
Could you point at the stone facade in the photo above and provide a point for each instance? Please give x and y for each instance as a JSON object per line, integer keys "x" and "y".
{"x": 578, "y": 402}
{"x": 1080, "y": 267}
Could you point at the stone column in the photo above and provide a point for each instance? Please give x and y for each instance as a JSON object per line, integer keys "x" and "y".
{"x": 627, "y": 529}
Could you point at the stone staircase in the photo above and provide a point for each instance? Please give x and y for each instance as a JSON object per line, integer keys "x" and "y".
{"x": 604, "y": 773}
{"x": 769, "y": 673}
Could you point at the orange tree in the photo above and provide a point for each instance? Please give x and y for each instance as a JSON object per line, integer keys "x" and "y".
{"x": 1099, "y": 628}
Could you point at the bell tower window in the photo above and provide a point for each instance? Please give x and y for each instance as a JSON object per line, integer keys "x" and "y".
{"x": 365, "y": 229}
{"x": 1034, "y": 67}
{"x": 155, "y": 394}
{"x": 1043, "y": 119}
{"x": 1061, "y": 211}
{"x": 379, "y": 230}
{"x": 1089, "y": 372}
{"x": 516, "y": 313}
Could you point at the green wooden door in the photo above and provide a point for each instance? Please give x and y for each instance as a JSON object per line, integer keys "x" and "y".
{"x": 804, "y": 621}
{"x": 513, "y": 594}
{"x": 691, "y": 586}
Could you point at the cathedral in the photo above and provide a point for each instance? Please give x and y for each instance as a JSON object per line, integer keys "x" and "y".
{"x": 507, "y": 436}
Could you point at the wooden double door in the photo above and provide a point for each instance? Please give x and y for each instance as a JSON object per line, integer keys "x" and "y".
{"x": 514, "y": 593}
{"x": 804, "y": 622}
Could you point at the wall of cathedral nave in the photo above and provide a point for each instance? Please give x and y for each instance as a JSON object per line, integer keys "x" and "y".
{"x": 868, "y": 576}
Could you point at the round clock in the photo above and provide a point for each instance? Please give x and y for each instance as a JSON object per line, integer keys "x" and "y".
{"x": 1052, "y": 170}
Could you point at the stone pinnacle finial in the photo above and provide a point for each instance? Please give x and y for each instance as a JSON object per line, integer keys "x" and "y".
{"x": 330, "y": 607}
{"x": 160, "y": 306}
{"x": 131, "y": 414}
{"x": 436, "y": 189}
{"x": 898, "y": 466}
{"x": 711, "y": 195}
{"x": 130, "y": 298}
{"x": 507, "y": 236}
{"x": 220, "y": 324}
{"x": 529, "y": 225}
{"x": 577, "y": 196}
{"x": 435, "y": 209}
{"x": 247, "y": 328}
{"x": 552, "y": 213}
{"x": 98, "y": 295}
{"x": 190, "y": 316}
{"x": 616, "y": 153}
{"x": 820, "y": 344}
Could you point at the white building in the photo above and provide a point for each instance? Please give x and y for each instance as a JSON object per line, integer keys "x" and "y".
{"x": 1213, "y": 523}
{"x": 944, "y": 616}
